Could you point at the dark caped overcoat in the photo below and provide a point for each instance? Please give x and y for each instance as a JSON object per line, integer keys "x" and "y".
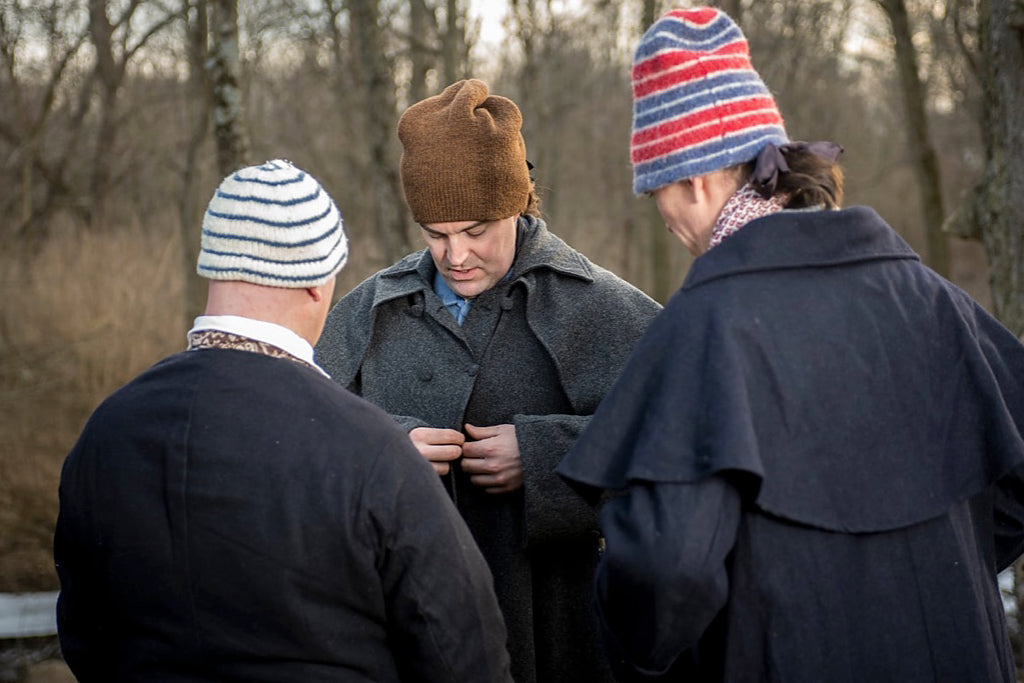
{"x": 539, "y": 350}
{"x": 820, "y": 443}
{"x": 228, "y": 516}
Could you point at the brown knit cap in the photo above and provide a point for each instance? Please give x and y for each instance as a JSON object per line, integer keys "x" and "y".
{"x": 463, "y": 157}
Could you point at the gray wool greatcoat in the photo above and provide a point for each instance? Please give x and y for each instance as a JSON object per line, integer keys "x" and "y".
{"x": 538, "y": 350}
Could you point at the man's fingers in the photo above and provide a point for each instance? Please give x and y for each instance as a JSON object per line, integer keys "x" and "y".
{"x": 482, "y": 432}
{"x": 441, "y": 453}
{"x": 477, "y": 449}
{"x": 472, "y": 464}
{"x": 492, "y": 483}
{"x": 435, "y": 436}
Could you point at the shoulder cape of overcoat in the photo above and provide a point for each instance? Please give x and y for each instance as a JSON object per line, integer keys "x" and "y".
{"x": 814, "y": 358}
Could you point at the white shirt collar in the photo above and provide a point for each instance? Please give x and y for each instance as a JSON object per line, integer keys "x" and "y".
{"x": 260, "y": 330}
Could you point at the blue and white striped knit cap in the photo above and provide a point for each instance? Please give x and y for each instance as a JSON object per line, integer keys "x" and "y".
{"x": 272, "y": 225}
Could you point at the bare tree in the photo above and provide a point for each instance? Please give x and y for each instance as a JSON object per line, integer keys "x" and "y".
{"x": 38, "y": 91}
{"x": 926, "y": 163}
{"x": 663, "y": 280}
{"x": 993, "y": 211}
{"x": 422, "y": 52}
{"x": 376, "y": 82}
{"x": 116, "y": 42}
{"x": 454, "y": 43}
{"x": 229, "y": 129}
{"x": 1002, "y": 215}
{"x": 196, "y": 33}
{"x": 648, "y": 14}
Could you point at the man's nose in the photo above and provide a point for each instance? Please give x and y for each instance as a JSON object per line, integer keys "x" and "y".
{"x": 458, "y": 250}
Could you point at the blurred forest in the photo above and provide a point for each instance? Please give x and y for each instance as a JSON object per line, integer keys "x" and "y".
{"x": 118, "y": 118}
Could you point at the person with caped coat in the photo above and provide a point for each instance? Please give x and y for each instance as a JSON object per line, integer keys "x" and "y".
{"x": 815, "y": 453}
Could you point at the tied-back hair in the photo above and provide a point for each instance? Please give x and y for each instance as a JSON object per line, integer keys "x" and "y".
{"x": 801, "y": 174}
{"x": 812, "y": 181}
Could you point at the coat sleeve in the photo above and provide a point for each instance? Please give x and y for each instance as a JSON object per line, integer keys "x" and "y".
{"x": 663, "y": 578}
{"x": 444, "y": 620}
{"x": 1008, "y": 518}
{"x": 85, "y": 634}
{"x": 611, "y": 316}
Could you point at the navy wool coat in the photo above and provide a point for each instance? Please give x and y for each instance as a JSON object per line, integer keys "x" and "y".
{"x": 228, "y": 516}
{"x": 819, "y": 448}
{"x": 539, "y": 350}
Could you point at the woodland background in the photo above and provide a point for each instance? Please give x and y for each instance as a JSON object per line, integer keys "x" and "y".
{"x": 118, "y": 118}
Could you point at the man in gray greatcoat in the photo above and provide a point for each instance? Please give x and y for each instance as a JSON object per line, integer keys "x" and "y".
{"x": 493, "y": 347}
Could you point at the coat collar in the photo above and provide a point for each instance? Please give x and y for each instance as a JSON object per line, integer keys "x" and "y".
{"x": 801, "y": 239}
{"x": 537, "y": 248}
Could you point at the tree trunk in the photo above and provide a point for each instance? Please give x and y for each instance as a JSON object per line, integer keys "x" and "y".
{"x": 926, "y": 164}
{"x": 734, "y": 8}
{"x": 648, "y": 14}
{"x": 377, "y": 85}
{"x": 453, "y": 43}
{"x": 229, "y": 129}
{"x": 422, "y": 55}
{"x": 660, "y": 244}
{"x": 190, "y": 203}
{"x": 109, "y": 78}
{"x": 1001, "y": 214}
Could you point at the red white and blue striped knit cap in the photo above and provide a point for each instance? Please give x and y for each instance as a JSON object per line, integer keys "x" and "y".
{"x": 272, "y": 225}
{"x": 698, "y": 104}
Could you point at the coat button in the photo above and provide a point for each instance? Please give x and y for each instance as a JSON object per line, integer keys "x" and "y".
{"x": 471, "y": 371}
{"x": 426, "y": 374}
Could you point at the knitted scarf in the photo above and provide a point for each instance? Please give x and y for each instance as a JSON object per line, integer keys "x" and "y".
{"x": 743, "y": 206}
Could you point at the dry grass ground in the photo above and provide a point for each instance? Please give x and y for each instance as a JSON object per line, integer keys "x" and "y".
{"x": 80, "y": 316}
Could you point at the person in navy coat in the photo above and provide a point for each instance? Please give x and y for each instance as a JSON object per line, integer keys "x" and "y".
{"x": 815, "y": 454}
{"x": 233, "y": 514}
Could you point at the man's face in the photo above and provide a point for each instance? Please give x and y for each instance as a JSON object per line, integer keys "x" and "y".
{"x": 472, "y": 256}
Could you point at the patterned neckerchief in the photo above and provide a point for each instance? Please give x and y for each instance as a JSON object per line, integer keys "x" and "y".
{"x": 216, "y": 339}
{"x": 743, "y": 206}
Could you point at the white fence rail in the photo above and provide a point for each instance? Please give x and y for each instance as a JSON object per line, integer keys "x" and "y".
{"x": 26, "y": 615}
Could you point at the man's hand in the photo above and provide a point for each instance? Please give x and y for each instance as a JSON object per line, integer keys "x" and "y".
{"x": 438, "y": 446}
{"x": 492, "y": 458}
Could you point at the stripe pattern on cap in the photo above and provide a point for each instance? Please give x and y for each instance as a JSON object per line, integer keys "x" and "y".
{"x": 698, "y": 104}
{"x": 272, "y": 225}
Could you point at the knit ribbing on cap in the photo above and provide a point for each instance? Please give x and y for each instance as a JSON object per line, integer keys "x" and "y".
{"x": 272, "y": 225}
{"x": 698, "y": 104}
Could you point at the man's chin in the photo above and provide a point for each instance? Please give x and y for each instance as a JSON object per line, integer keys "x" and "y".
{"x": 467, "y": 289}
